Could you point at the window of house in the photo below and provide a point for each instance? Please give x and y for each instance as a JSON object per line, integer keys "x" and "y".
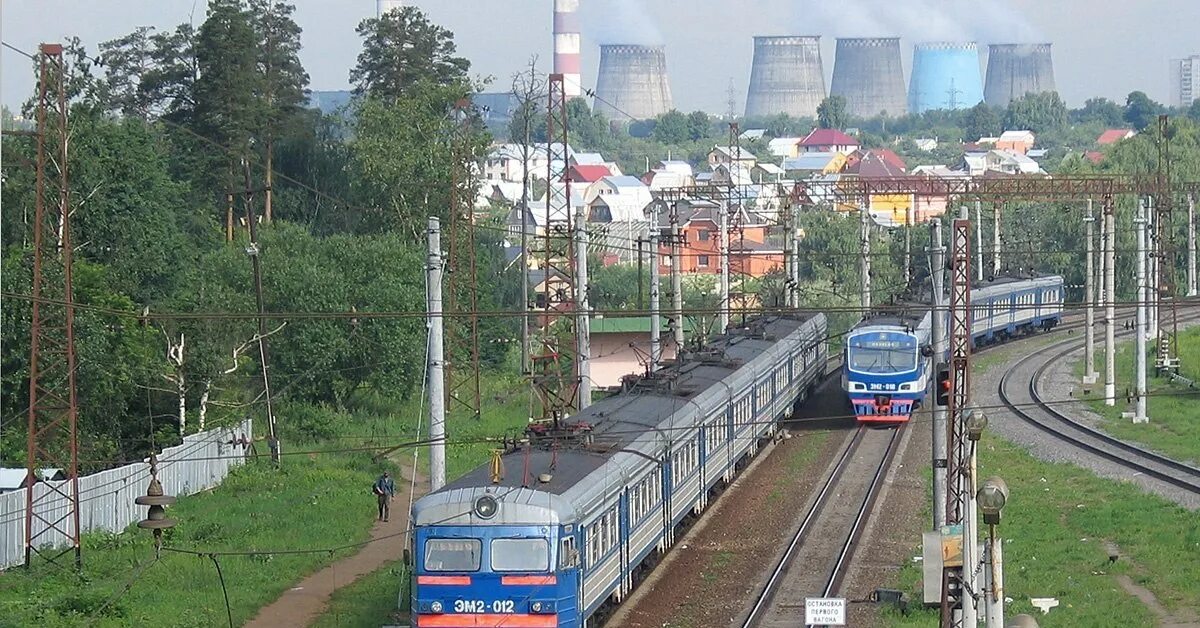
{"x": 703, "y": 260}
{"x": 704, "y": 235}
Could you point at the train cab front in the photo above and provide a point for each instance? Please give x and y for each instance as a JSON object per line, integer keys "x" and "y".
{"x": 516, "y": 571}
{"x": 884, "y": 376}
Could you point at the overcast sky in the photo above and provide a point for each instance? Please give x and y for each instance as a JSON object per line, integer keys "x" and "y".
{"x": 1101, "y": 47}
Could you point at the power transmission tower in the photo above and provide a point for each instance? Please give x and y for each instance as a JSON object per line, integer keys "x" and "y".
{"x": 53, "y": 410}
{"x": 731, "y": 101}
{"x": 462, "y": 372}
{"x": 560, "y": 375}
{"x": 952, "y": 100}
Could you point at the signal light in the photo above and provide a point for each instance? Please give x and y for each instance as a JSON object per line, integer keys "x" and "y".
{"x": 943, "y": 385}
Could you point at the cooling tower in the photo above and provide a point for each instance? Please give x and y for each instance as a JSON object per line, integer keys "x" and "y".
{"x": 632, "y": 82}
{"x": 786, "y": 77}
{"x": 945, "y": 75}
{"x": 566, "y": 46}
{"x": 867, "y": 72}
{"x": 1014, "y": 70}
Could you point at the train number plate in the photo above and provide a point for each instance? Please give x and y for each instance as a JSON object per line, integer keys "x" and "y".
{"x": 480, "y": 606}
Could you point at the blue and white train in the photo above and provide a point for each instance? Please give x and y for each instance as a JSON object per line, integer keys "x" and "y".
{"x": 566, "y": 529}
{"x": 887, "y": 366}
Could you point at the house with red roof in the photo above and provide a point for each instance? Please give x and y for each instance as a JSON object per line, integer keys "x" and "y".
{"x": 828, "y": 141}
{"x": 1112, "y": 136}
{"x": 587, "y": 173}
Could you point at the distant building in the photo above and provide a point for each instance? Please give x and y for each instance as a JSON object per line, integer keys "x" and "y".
{"x": 926, "y": 144}
{"x": 1018, "y": 142}
{"x": 620, "y": 347}
{"x": 1185, "y": 81}
{"x": 1112, "y": 136}
{"x": 828, "y": 141}
{"x": 811, "y": 163}
{"x": 784, "y": 146}
{"x": 725, "y": 155}
{"x": 588, "y": 174}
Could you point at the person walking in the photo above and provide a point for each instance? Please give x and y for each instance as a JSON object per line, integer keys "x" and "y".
{"x": 384, "y": 490}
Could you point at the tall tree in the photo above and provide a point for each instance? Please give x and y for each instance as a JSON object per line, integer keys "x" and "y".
{"x": 1140, "y": 111}
{"x": 698, "y": 125}
{"x": 168, "y": 87}
{"x": 671, "y": 127}
{"x": 981, "y": 121}
{"x": 831, "y": 113}
{"x": 1101, "y": 110}
{"x": 228, "y": 109}
{"x": 284, "y": 80}
{"x": 1039, "y": 113}
{"x": 126, "y": 61}
{"x": 402, "y": 48}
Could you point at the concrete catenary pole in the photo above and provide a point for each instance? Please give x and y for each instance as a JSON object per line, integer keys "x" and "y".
{"x": 723, "y": 318}
{"x": 864, "y": 238}
{"x": 1110, "y": 309}
{"x": 1191, "y": 246}
{"x": 583, "y": 325}
{"x": 997, "y": 208}
{"x": 908, "y": 226}
{"x": 1143, "y": 298}
{"x": 794, "y": 278}
{"x": 437, "y": 376}
{"x": 1089, "y": 296}
{"x": 979, "y": 240}
{"x": 676, "y": 281}
{"x": 995, "y": 580}
{"x": 655, "y": 329}
{"x": 938, "y": 267}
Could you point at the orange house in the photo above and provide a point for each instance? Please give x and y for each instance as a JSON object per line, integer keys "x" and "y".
{"x": 749, "y": 251}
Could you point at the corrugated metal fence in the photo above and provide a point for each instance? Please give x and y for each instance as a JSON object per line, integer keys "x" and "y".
{"x": 106, "y": 498}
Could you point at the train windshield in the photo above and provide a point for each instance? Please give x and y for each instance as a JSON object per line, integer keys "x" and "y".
{"x": 878, "y": 353}
{"x": 520, "y": 555}
{"x": 452, "y": 554}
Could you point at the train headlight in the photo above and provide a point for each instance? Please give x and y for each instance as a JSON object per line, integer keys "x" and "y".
{"x": 542, "y": 607}
{"x": 537, "y": 607}
{"x": 486, "y": 507}
{"x": 436, "y": 607}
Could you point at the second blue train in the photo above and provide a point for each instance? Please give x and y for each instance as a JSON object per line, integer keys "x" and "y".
{"x": 889, "y": 356}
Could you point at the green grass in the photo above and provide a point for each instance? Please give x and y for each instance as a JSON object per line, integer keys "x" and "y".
{"x": 316, "y": 501}
{"x": 369, "y": 602}
{"x": 1055, "y": 526}
{"x": 1174, "y": 427}
{"x": 1059, "y": 517}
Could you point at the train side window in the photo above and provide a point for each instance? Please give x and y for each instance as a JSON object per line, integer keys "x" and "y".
{"x": 567, "y": 556}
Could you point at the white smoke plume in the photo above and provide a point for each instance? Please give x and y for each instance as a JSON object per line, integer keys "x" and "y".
{"x": 985, "y": 21}
{"x": 619, "y": 22}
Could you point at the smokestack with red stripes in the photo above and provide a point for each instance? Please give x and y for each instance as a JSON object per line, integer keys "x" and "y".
{"x": 566, "y": 45}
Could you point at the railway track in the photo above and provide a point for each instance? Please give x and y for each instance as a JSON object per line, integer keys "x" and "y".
{"x": 1020, "y": 391}
{"x": 822, "y": 547}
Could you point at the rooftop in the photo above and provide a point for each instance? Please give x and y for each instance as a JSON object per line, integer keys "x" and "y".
{"x": 828, "y": 137}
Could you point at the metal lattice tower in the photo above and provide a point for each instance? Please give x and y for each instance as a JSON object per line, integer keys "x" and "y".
{"x": 53, "y": 409}
{"x": 957, "y": 498}
{"x": 462, "y": 330}
{"x": 555, "y": 360}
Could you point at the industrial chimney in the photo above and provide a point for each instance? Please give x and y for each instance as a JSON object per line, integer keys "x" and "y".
{"x": 867, "y": 72}
{"x": 632, "y": 82}
{"x": 945, "y": 75}
{"x": 1014, "y": 70}
{"x": 567, "y": 47}
{"x": 383, "y": 6}
{"x": 786, "y": 77}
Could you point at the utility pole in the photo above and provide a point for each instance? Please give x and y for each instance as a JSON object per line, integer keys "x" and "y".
{"x": 256, "y": 262}
{"x": 908, "y": 226}
{"x": 794, "y": 277}
{"x": 655, "y": 330}
{"x": 1153, "y": 248}
{"x": 938, "y": 320}
{"x": 723, "y": 317}
{"x": 979, "y": 240}
{"x": 52, "y": 508}
{"x": 997, "y": 208}
{"x": 676, "y": 280}
{"x": 583, "y": 325}
{"x": 1143, "y": 300}
{"x": 864, "y": 241}
{"x": 1191, "y": 245}
{"x": 1110, "y": 310}
{"x": 437, "y": 379}
{"x": 1089, "y": 296}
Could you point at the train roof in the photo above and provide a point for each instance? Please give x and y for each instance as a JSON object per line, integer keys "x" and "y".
{"x": 618, "y": 422}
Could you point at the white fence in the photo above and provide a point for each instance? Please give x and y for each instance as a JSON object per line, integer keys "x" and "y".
{"x": 106, "y": 498}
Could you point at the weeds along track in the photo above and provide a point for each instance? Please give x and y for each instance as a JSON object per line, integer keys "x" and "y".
{"x": 822, "y": 547}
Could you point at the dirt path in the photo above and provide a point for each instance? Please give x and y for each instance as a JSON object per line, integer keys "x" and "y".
{"x": 308, "y": 600}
